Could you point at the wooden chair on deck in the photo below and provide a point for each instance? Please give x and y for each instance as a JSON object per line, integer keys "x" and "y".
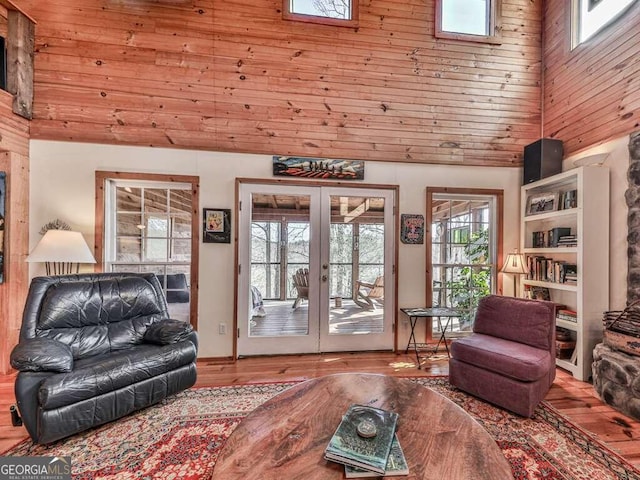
{"x": 367, "y": 293}
{"x": 301, "y": 282}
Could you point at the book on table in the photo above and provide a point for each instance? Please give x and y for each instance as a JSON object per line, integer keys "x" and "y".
{"x": 363, "y": 438}
{"x": 396, "y": 465}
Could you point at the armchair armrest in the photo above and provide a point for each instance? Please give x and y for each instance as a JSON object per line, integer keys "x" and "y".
{"x": 168, "y": 331}
{"x": 42, "y": 355}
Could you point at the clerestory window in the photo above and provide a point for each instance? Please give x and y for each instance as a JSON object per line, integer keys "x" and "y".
{"x": 591, "y": 16}
{"x": 469, "y": 20}
{"x": 330, "y": 12}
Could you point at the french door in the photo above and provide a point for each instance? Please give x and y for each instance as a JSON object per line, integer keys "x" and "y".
{"x": 315, "y": 269}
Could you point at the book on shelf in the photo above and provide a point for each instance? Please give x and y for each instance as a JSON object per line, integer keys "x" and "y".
{"x": 554, "y": 235}
{"x": 396, "y": 465}
{"x": 567, "y": 315}
{"x": 568, "y": 199}
{"x": 549, "y": 270}
{"x": 351, "y": 445}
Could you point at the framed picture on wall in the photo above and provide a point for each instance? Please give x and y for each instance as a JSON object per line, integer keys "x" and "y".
{"x": 216, "y": 225}
{"x": 412, "y": 229}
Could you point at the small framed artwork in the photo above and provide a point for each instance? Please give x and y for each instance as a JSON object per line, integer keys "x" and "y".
{"x": 540, "y": 293}
{"x": 412, "y": 229}
{"x": 542, "y": 203}
{"x": 216, "y": 225}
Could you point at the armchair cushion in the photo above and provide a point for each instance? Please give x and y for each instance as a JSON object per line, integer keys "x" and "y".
{"x": 102, "y": 374}
{"x": 508, "y": 318}
{"x": 516, "y": 360}
{"x": 166, "y": 332}
{"x": 42, "y": 355}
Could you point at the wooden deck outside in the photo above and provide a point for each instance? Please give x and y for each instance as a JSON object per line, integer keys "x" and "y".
{"x": 282, "y": 320}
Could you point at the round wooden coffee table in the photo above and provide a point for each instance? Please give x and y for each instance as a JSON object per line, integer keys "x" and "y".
{"x": 285, "y": 438}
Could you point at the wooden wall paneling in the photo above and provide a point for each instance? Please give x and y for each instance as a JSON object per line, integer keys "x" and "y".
{"x": 20, "y": 46}
{"x": 16, "y": 237}
{"x": 235, "y": 76}
{"x": 591, "y": 93}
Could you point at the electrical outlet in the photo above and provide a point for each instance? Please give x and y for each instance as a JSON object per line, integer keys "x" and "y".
{"x": 222, "y": 329}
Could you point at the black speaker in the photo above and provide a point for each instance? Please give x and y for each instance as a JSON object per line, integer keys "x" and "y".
{"x": 3, "y": 64}
{"x": 542, "y": 159}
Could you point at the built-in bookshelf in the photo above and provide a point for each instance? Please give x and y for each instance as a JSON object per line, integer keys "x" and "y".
{"x": 564, "y": 234}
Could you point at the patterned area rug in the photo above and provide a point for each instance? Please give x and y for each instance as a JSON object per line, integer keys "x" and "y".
{"x": 181, "y": 438}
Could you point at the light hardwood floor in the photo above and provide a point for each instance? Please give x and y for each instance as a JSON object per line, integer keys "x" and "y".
{"x": 575, "y": 399}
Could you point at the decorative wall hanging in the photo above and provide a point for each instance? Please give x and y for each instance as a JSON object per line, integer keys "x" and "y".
{"x": 216, "y": 225}
{"x": 318, "y": 168}
{"x": 3, "y": 196}
{"x": 412, "y": 229}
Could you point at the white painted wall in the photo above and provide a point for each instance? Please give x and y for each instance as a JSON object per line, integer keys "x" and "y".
{"x": 62, "y": 186}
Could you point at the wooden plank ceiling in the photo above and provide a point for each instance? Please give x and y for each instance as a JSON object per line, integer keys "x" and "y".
{"x": 235, "y": 76}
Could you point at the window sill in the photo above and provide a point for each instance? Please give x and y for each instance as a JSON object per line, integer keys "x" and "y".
{"x": 465, "y": 37}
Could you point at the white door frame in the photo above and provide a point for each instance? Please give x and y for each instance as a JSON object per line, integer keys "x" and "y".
{"x": 318, "y": 335}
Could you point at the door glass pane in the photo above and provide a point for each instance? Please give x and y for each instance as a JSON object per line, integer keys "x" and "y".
{"x": 356, "y": 265}
{"x": 279, "y": 253}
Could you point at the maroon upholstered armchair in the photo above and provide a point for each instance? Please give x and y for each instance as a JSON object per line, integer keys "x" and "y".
{"x": 509, "y": 359}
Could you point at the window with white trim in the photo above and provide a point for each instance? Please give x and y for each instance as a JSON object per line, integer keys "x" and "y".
{"x": 591, "y": 16}
{"x": 148, "y": 228}
{"x": 469, "y": 20}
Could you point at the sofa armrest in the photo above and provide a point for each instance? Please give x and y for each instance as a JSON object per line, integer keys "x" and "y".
{"x": 168, "y": 331}
{"x": 42, "y": 355}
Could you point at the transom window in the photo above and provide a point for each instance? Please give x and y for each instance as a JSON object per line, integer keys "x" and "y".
{"x": 470, "y": 20}
{"x": 331, "y": 12}
{"x": 591, "y": 16}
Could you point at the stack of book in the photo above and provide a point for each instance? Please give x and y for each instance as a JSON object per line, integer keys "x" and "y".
{"x": 366, "y": 443}
{"x": 567, "y": 315}
{"x": 568, "y": 241}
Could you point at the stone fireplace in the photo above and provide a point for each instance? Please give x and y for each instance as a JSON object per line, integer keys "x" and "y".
{"x": 616, "y": 374}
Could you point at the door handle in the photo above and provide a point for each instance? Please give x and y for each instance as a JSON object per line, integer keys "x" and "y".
{"x": 325, "y": 266}
{"x": 324, "y": 278}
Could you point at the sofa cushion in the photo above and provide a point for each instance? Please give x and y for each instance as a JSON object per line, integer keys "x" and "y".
{"x": 166, "y": 332}
{"x": 97, "y": 317}
{"x": 41, "y": 355}
{"x": 101, "y": 374}
{"x": 512, "y": 359}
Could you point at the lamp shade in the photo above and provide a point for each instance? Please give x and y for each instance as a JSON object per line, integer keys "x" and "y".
{"x": 515, "y": 263}
{"x": 61, "y": 246}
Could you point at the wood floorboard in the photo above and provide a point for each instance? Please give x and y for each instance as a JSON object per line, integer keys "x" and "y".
{"x": 574, "y": 399}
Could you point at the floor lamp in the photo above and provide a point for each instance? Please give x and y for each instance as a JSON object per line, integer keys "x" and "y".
{"x": 516, "y": 264}
{"x": 62, "y": 251}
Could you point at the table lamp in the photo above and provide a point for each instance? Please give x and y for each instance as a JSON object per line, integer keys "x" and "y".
{"x": 60, "y": 250}
{"x": 516, "y": 264}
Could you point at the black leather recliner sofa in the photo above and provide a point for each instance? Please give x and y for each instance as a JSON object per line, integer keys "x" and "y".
{"x": 94, "y": 348}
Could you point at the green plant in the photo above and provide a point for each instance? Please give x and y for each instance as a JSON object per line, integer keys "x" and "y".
{"x": 471, "y": 283}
